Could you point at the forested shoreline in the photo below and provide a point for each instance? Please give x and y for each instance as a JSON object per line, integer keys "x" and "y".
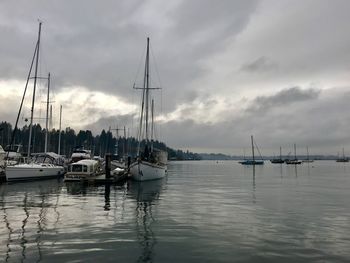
{"x": 105, "y": 142}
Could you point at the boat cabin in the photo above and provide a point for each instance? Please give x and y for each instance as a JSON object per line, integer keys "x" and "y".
{"x": 49, "y": 157}
{"x": 80, "y": 153}
{"x": 83, "y": 169}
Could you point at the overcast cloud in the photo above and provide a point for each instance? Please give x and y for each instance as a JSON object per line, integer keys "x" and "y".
{"x": 228, "y": 69}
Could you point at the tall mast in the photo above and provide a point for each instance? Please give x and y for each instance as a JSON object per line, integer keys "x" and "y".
{"x": 147, "y": 91}
{"x": 124, "y": 145}
{"x": 144, "y": 116}
{"x": 280, "y": 153}
{"x": 59, "y": 135}
{"x": 33, "y": 100}
{"x": 50, "y": 118}
{"x": 152, "y": 124}
{"x": 295, "y": 151}
{"x": 251, "y": 137}
{"x": 47, "y": 111}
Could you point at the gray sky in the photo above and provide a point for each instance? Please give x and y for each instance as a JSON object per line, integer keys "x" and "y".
{"x": 276, "y": 69}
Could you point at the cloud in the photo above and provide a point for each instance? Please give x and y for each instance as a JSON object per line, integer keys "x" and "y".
{"x": 283, "y": 98}
{"x": 103, "y": 54}
{"x": 114, "y": 122}
{"x": 221, "y": 66}
{"x": 262, "y": 64}
{"x": 307, "y": 117}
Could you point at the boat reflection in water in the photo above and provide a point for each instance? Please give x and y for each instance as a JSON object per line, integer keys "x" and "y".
{"x": 146, "y": 193}
{"x": 25, "y": 227}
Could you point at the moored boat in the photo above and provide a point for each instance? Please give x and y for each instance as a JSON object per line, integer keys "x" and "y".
{"x": 154, "y": 168}
{"x": 79, "y": 153}
{"x": 83, "y": 169}
{"x": 343, "y": 159}
{"x": 43, "y": 166}
{"x": 252, "y": 161}
{"x": 307, "y": 160}
{"x": 295, "y": 160}
{"x": 150, "y": 163}
{"x": 278, "y": 160}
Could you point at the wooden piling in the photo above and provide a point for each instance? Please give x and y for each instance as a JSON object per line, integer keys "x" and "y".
{"x": 108, "y": 158}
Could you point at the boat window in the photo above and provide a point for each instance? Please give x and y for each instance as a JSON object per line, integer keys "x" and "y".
{"x": 76, "y": 168}
{"x": 39, "y": 159}
{"x": 47, "y": 160}
{"x": 84, "y": 168}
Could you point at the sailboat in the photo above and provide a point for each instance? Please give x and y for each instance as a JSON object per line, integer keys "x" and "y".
{"x": 151, "y": 163}
{"x": 343, "y": 159}
{"x": 295, "y": 160}
{"x": 42, "y": 165}
{"x": 252, "y": 161}
{"x": 278, "y": 160}
{"x": 308, "y": 160}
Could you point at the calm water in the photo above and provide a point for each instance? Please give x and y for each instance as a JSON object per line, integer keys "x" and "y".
{"x": 202, "y": 212}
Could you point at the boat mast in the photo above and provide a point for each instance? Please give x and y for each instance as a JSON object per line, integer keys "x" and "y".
{"x": 144, "y": 117}
{"x": 47, "y": 111}
{"x": 152, "y": 124}
{"x": 147, "y": 91}
{"x": 307, "y": 152}
{"x": 59, "y": 135}
{"x": 142, "y": 105}
{"x": 280, "y": 153}
{"x": 251, "y": 137}
{"x": 295, "y": 151}
{"x": 33, "y": 100}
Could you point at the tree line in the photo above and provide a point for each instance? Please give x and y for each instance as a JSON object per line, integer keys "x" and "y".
{"x": 99, "y": 144}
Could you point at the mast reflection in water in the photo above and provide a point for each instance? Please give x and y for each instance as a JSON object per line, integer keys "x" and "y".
{"x": 146, "y": 194}
{"x": 25, "y": 207}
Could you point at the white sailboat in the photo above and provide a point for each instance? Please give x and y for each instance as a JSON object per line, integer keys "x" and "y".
{"x": 151, "y": 163}
{"x": 42, "y": 165}
{"x": 295, "y": 160}
{"x": 308, "y": 160}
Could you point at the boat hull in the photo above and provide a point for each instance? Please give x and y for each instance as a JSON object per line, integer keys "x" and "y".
{"x": 342, "y": 160}
{"x": 145, "y": 171}
{"x": 251, "y": 162}
{"x": 277, "y": 161}
{"x": 33, "y": 172}
{"x": 293, "y": 162}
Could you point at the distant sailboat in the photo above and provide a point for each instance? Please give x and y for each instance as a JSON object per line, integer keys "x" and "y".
{"x": 343, "y": 159}
{"x": 278, "y": 160}
{"x": 151, "y": 163}
{"x": 295, "y": 160}
{"x": 308, "y": 160}
{"x": 252, "y": 161}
